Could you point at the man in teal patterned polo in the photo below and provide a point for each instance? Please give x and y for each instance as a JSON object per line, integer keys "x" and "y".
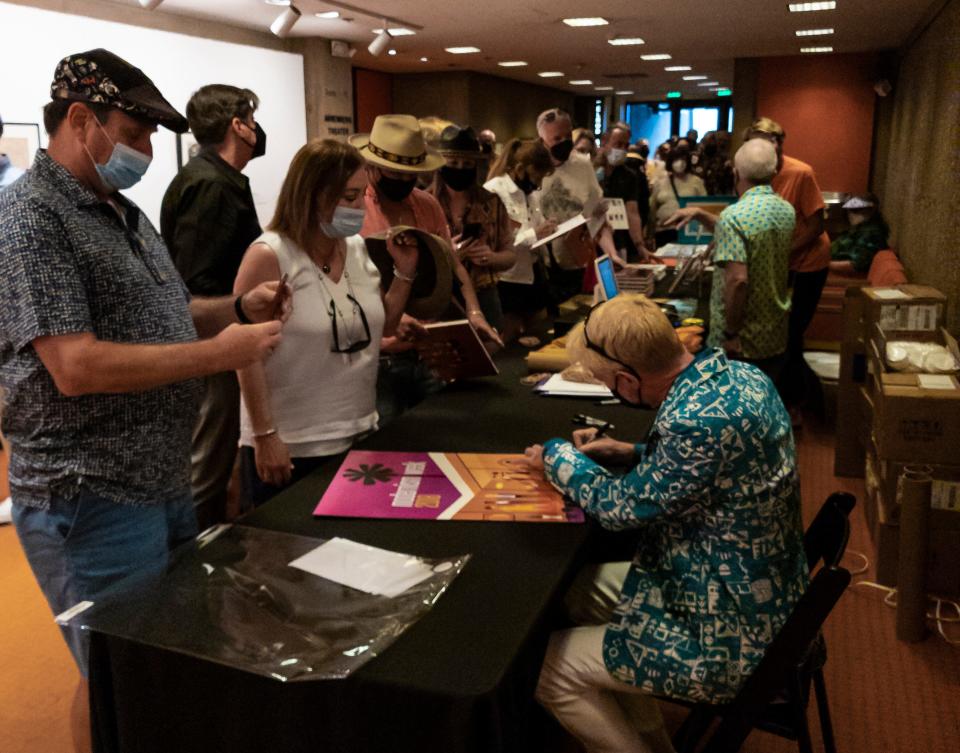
{"x": 714, "y": 500}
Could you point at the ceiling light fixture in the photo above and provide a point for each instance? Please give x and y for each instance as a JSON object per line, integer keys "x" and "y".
{"x": 808, "y": 7}
{"x": 816, "y": 49}
{"x": 424, "y": 60}
{"x": 283, "y": 23}
{"x": 550, "y": 74}
{"x": 623, "y": 93}
{"x": 512, "y": 63}
{"x": 678, "y": 68}
{"x": 277, "y": 2}
{"x": 380, "y": 43}
{"x": 150, "y": 4}
{"x": 660, "y": 56}
{"x": 623, "y": 41}
{"x": 328, "y": 14}
{"x": 580, "y": 22}
{"x": 400, "y": 31}
{"x": 694, "y": 78}
{"x": 709, "y": 83}
{"x": 462, "y": 50}
{"x": 391, "y": 52}
{"x": 603, "y": 88}
{"x": 582, "y": 82}
{"x": 814, "y": 32}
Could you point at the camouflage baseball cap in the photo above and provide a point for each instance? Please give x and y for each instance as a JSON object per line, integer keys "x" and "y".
{"x": 101, "y": 77}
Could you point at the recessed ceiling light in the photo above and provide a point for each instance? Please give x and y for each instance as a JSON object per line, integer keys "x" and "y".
{"x": 694, "y": 78}
{"x": 709, "y": 83}
{"x": 550, "y": 74}
{"x": 661, "y": 56}
{"x": 462, "y": 50}
{"x": 807, "y": 7}
{"x": 816, "y": 49}
{"x": 328, "y": 14}
{"x": 603, "y": 88}
{"x": 678, "y": 68}
{"x": 594, "y": 21}
{"x": 814, "y": 32}
{"x": 623, "y": 93}
{"x": 623, "y": 41}
{"x": 512, "y": 64}
{"x": 398, "y": 32}
{"x": 391, "y": 52}
{"x": 424, "y": 60}
{"x": 582, "y": 82}
{"x": 277, "y": 2}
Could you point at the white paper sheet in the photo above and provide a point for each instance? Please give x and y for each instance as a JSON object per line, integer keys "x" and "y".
{"x": 560, "y": 387}
{"x": 366, "y": 568}
{"x": 617, "y": 214}
{"x": 890, "y": 294}
{"x": 936, "y": 381}
{"x": 562, "y": 229}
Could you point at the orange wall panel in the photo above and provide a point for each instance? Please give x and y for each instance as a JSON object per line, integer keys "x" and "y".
{"x": 825, "y": 103}
{"x": 372, "y": 96}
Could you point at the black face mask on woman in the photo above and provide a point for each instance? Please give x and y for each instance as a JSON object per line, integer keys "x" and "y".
{"x": 561, "y": 150}
{"x": 396, "y": 189}
{"x": 458, "y": 178}
{"x": 525, "y": 184}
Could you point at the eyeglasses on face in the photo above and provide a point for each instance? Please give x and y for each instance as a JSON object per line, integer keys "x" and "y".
{"x": 359, "y": 344}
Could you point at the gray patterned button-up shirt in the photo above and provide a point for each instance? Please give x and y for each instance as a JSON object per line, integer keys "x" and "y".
{"x": 69, "y": 264}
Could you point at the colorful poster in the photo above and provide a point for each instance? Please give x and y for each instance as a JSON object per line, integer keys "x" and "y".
{"x": 443, "y": 486}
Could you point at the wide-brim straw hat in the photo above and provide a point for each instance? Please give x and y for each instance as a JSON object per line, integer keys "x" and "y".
{"x": 432, "y": 289}
{"x": 396, "y": 143}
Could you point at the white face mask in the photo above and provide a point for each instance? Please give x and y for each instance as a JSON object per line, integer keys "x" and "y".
{"x": 616, "y": 156}
{"x": 679, "y": 166}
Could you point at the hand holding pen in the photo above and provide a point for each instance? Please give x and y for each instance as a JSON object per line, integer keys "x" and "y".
{"x": 592, "y": 443}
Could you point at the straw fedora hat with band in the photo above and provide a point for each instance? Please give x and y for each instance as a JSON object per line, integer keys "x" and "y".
{"x": 396, "y": 143}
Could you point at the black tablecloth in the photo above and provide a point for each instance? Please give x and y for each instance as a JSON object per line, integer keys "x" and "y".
{"x": 461, "y": 679}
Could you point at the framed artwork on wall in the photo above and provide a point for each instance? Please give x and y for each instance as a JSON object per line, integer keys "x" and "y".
{"x": 187, "y": 147}
{"x": 20, "y": 142}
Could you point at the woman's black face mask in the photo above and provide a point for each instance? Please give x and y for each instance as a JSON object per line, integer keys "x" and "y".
{"x": 459, "y": 178}
{"x": 396, "y": 189}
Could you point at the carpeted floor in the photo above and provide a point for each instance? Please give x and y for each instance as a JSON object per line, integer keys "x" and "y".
{"x": 885, "y": 696}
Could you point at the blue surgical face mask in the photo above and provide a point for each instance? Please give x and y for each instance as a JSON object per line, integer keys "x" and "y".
{"x": 346, "y": 222}
{"x": 125, "y": 167}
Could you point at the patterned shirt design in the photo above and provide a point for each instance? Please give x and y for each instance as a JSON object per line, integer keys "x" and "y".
{"x": 716, "y": 505}
{"x": 756, "y": 231}
{"x": 69, "y": 264}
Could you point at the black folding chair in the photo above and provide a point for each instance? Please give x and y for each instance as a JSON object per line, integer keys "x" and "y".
{"x": 775, "y": 697}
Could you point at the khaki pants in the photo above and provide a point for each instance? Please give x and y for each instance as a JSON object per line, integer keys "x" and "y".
{"x": 603, "y": 713}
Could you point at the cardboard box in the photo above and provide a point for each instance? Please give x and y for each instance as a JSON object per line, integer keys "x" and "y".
{"x": 916, "y": 416}
{"x": 885, "y": 476}
{"x": 943, "y": 554}
{"x": 852, "y": 423}
{"x": 905, "y": 309}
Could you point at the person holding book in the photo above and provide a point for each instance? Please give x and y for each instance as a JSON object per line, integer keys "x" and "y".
{"x": 317, "y": 394}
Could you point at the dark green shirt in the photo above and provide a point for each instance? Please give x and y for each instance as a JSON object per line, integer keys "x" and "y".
{"x": 208, "y": 219}
{"x": 861, "y": 242}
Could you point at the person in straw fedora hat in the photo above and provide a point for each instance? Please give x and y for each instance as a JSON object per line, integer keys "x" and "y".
{"x": 395, "y": 154}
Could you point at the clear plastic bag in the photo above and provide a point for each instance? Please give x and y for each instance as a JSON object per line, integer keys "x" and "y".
{"x": 235, "y": 600}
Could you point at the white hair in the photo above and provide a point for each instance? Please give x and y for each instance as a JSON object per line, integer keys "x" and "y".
{"x": 756, "y": 161}
{"x": 551, "y": 115}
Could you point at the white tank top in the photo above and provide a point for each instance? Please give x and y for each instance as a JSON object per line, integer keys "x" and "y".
{"x": 321, "y": 400}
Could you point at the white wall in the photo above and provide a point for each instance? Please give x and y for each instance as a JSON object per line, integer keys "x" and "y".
{"x": 34, "y": 40}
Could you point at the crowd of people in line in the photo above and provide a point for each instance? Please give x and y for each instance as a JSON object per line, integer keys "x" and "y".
{"x": 134, "y": 361}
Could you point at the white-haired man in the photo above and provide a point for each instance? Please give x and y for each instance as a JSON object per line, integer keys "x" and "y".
{"x": 750, "y": 300}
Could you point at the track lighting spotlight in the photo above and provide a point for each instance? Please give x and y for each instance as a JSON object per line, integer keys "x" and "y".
{"x": 285, "y": 21}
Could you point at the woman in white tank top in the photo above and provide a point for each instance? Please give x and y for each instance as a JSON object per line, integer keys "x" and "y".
{"x": 317, "y": 392}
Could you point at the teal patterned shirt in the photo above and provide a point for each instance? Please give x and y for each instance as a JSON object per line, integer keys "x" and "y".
{"x": 756, "y": 231}
{"x": 716, "y": 504}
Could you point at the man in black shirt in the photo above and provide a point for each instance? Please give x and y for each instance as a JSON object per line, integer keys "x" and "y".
{"x": 621, "y": 182}
{"x": 208, "y": 219}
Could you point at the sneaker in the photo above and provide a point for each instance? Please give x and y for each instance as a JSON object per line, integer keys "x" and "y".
{"x": 6, "y": 511}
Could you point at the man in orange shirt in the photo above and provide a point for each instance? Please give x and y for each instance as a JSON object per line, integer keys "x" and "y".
{"x": 809, "y": 255}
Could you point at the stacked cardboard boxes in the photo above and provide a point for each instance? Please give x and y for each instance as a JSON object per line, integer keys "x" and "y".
{"x": 910, "y": 420}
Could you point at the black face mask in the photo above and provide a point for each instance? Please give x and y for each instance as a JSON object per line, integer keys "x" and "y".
{"x": 396, "y": 189}
{"x": 260, "y": 143}
{"x": 526, "y": 185}
{"x": 623, "y": 401}
{"x": 459, "y": 178}
{"x": 561, "y": 150}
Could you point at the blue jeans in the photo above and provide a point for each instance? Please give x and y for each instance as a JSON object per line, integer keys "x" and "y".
{"x": 85, "y": 547}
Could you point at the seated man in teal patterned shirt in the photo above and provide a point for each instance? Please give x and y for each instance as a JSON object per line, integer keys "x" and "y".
{"x": 714, "y": 498}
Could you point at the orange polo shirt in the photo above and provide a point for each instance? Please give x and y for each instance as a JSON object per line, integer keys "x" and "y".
{"x": 797, "y": 184}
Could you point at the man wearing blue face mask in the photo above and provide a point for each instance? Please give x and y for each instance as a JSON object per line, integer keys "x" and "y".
{"x": 208, "y": 219}
{"x": 99, "y": 352}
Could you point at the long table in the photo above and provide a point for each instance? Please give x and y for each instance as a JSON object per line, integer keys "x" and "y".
{"x": 461, "y": 679}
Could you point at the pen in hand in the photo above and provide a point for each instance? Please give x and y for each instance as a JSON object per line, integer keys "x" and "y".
{"x": 601, "y": 431}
